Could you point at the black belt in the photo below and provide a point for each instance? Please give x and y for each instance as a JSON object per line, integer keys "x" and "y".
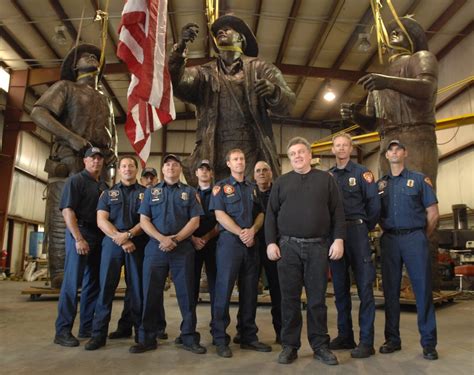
{"x": 355, "y": 222}
{"x": 304, "y": 240}
{"x": 400, "y": 232}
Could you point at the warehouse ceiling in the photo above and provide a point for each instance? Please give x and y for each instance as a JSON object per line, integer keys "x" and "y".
{"x": 313, "y": 42}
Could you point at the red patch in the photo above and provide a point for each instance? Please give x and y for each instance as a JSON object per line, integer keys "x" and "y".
{"x": 368, "y": 176}
{"x": 229, "y": 189}
{"x": 428, "y": 181}
{"x": 215, "y": 190}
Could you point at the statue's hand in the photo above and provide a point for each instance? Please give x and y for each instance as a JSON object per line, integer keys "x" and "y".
{"x": 348, "y": 111}
{"x": 78, "y": 143}
{"x": 374, "y": 81}
{"x": 263, "y": 88}
{"x": 189, "y": 33}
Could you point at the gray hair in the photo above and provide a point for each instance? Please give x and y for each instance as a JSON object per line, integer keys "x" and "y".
{"x": 298, "y": 141}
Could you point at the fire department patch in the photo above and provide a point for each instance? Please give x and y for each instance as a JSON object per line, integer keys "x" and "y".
{"x": 114, "y": 194}
{"x": 382, "y": 185}
{"x": 155, "y": 191}
{"x": 411, "y": 183}
{"x": 229, "y": 189}
{"x": 352, "y": 181}
{"x": 215, "y": 190}
{"x": 428, "y": 181}
{"x": 368, "y": 176}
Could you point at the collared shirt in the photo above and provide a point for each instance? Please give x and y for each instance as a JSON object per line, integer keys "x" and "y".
{"x": 405, "y": 199}
{"x": 122, "y": 203}
{"x": 208, "y": 219}
{"x": 238, "y": 200}
{"x": 170, "y": 207}
{"x": 81, "y": 193}
{"x": 359, "y": 193}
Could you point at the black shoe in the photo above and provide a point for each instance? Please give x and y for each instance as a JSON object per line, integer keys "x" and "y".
{"x": 236, "y": 339}
{"x": 257, "y": 346}
{"x": 142, "y": 348}
{"x": 86, "y": 335}
{"x": 66, "y": 339}
{"x": 162, "y": 335}
{"x": 325, "y": 356}
{"x": 223, "y": 351}
{"x": 95, "y": 343}
{"x": 362, "y": 351}
{"x": 178, "y": 341}
{"x": 195, "y": 348}
{"x": 287, "y": 356}
{"x": 119, "y": 334}
{"x": 340, "y": 343}
{"x": 430, "y": 353}
{"x": 389, "y": 347}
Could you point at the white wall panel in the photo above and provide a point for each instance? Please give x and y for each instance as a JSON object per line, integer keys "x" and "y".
{"x": 17, "y": 248}
{"x": 26, "y": 198}
{"x": 31, "y": 155}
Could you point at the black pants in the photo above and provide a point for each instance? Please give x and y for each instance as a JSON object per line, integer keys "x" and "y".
{"x": 303, "y": 264}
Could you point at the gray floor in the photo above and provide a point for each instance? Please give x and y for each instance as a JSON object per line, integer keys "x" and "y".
{"x": 26, "y": 345}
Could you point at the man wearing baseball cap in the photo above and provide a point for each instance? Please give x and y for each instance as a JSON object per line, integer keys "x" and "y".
{"x": 149, "y": 177}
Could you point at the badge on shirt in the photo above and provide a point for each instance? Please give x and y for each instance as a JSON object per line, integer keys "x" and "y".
{"x": 141, "y": 196}
{"x": 184, "y": 196}
{"x": 382, "y": 185}
{"x": 215, "y": 190}
{"x": 410, "y": 183}
{"x": 368, "y": 176}
{"x": 229, "y": 190}
{"x": 428, "y": 181}
{"x": 155, "y": 194}
{"x": 114, "y": 194}
{"x": 352, "y": 181}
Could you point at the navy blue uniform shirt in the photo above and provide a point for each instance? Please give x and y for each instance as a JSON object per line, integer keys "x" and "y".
{"x": 239, "y": 200}
{"x": 81, "y": 193}
{"x": 122, "y": 203}
{"x": 208, "y": 219}
{"x": 405, "y": 199}
{"x": 359, "y": 193}
{"x": 170, "y": 207}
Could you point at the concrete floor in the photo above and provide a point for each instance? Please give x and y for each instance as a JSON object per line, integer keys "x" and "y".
{"x": 27, "y": 330}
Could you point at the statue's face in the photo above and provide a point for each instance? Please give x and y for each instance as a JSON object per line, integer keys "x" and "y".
{"x": 398, "y": 38}
{"x": 87, "y": 62}
{"x": 227, "y": 36}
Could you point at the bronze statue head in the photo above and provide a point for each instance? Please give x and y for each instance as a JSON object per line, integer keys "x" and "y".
{"x": 249, "y": 43}
{"x": 414, "y": 29}
{"x": 68, "y": 71}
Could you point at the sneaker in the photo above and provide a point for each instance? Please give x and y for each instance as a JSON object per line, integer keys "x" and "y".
{"x": 362, "y": 351}
{"x": 95, "y": 343}
{"x": 325, "y": 356}
{"x": 224, "y": 351}
{"x": 66, "y": 339}
{"x": 287, "y": 356}
{"x": 257, "y": 346}
{"x": 389, "y": 347}
{"x": 340, "y": 343}
{"x": 430, "y": 353}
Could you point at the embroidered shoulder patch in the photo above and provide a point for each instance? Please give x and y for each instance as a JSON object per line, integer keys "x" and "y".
{"x": 215, "y": 190}
{"x": 368, "y": 176}
{"x": 428, "y": 181}
{"x": 229, "y": 189}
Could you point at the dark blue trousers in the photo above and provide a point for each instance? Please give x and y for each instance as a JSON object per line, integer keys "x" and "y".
{"x": 235, "y": 261}
{"x": 113, "y": 257}
{"x": 413, "y": 251}
{"x": 303, "y": 264}
{"x": 156, "y": 266}
{"x": 357, "y": 256}
{"x": 79, "y": 270}
{"x": 206, "y": 256}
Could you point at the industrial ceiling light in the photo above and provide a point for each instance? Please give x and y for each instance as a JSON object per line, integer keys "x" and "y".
{"x": 4, "y": 79}
{"x": 59, "y": 36}
{"x": 329, "y": 95}
{"x": 364, "y": 42}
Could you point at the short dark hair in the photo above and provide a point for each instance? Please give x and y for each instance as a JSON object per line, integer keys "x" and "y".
{"x": 233, "y": 151}
{"x": 131, "y": 157}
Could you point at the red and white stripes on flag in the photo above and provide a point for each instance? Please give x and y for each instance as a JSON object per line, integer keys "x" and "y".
{"x": 142, "y": 45}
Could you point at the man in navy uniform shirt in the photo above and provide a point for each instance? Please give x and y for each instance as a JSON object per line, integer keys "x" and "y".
{"x": 83, "y": 243}
{"x": 169, "y": 214}
{"x": 148, "y": 179}
{"x": 362, "y": 208}
{"x": 124, "y": 241}
{"x": 409, "y": 215}
{"x": 239, "y": 213}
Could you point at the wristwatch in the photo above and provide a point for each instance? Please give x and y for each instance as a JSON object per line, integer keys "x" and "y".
{"x": 130, "y": 235}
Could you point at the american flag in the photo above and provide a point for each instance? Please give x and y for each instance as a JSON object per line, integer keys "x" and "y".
{"x": 142, "y": 45}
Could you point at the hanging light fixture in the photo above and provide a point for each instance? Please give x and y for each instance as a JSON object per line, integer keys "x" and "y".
{"x": 4, "y": 79}
{"x": 329, "y": 95}
{"x": 364, "y": 42}
{"x": 59, "y": 36}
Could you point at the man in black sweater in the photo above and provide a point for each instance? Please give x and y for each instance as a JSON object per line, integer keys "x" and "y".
{"x": 304, "y": 214}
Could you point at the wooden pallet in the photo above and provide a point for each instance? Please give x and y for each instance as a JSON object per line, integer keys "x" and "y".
{"x": 445, "y": 296}
{"x": 36, "y": 292}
